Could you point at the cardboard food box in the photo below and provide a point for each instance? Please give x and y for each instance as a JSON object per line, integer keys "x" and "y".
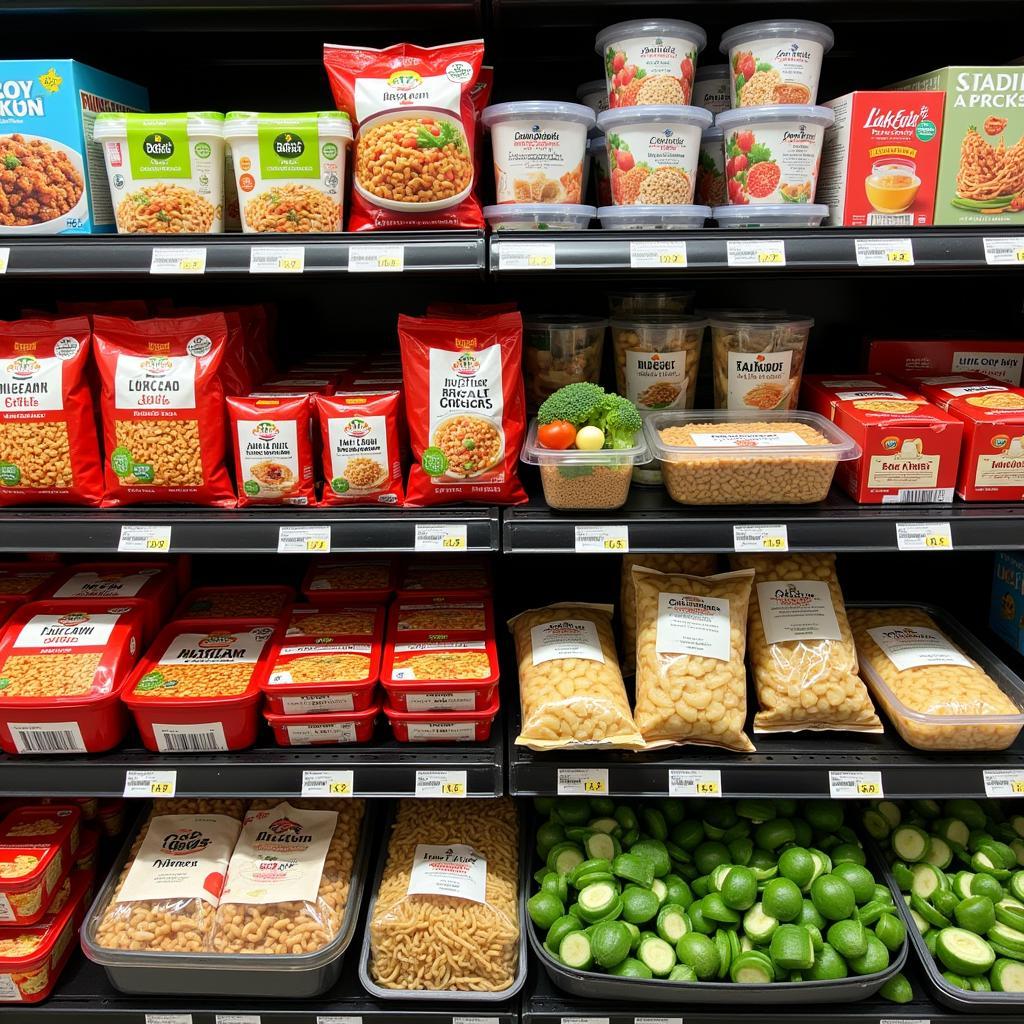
{"x": 1006, "y": 613}
{"x": 910, "y": 447}
{"x": 981, "y": 169}
{"x": 1000, "y": 359}
{"x": 992, "y": 451}
{"x": 880, "y": 163}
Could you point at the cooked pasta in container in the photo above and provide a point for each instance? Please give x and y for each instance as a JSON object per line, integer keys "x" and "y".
{"x": 350, "y": 581}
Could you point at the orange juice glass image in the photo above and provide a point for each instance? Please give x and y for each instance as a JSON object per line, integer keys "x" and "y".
{"x": 892, "y": 185}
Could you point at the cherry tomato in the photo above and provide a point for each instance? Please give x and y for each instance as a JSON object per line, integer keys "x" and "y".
{"x": 559, "y": 434}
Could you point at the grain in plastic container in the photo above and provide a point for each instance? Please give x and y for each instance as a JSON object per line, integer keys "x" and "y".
{"x": 773, "y": 154}
{"x": 166, "y": 171}
{"x": 352, "y": 580}
{"x": 776, "y": 61}
{"x": 236, "y": 602}
{"x": 330, "y": 728}
{"x": 539, "y": 217}
{"x": 37, "y": 848}
{"x": 650, "y": 60}
{"x": 654, "y": 218}
{"x": 290, "y": 170}
{"x": 726, "y": 457}
{"x": 711, "y": 88}
{"x": 560, "y": 350}
{"x": 710, "y": 188}
{"x": 770, "y": 215}
{"x": 25, "y": 579}
{"x": 656, "y": 359}
{"x": 442, "y": 726}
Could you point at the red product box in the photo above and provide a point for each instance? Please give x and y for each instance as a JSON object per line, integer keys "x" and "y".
{"x": 456, "y": 577}
{"x": 1001, "y": 359}
{"x": 442, "y": 726}
{"x": 992, "y": 454}
{"x": 331, "y": 729}
{"x": 880, "y": 160}
{"x": 270, "y": 601}
{"x": 910, "y": 447}
{"x": 354, "y": 579}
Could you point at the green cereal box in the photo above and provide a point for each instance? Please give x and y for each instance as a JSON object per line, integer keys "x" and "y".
{"x": 981, "y": 167}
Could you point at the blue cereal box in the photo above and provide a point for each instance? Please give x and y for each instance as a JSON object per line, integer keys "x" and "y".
{"x": 52, "y": 177}
{"x": 1006, "y": 616}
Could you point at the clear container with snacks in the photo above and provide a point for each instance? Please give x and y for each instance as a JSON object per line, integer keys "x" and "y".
{"x": 758, "y": 361}
{"x": 770, "y": 215}
{"x": 330, "y": 728}
{"x": 442, "y": 726}
{"x": 235, "y": 602}
{"x": 653, "y": 218}
{"x": 350, "y": 580}
{"x": 560, "y": 350}
{"x": 623, "y": 305}
{"x": 656, "y": 359}
{"x": 539, "y": 217}
{"x": 725, "y": 457}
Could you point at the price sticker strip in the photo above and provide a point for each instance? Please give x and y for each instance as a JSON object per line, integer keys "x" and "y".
{"x": 761, "y": 538}
{"x": 376, "y": 259}
{"x": 1004, "y": 252}
{"x": 301, "y": 540}
{"x": 5, "y": 259}
{"x": 582, "y": 781}
{"x": 884, "y": 252}
{"x": 447, "y": 785}
{"x": 706, "y": 782}
{"x": 328, "y": 783}
{"x": 1004, "y": 782}
{"x": 178, "y": 261}
{"x": 848, "y": 785}
{"x": 924, "y": 537}
{"x": 655, "y": 255}
{"x": 273, "y": 259}
{"x": 444, "y": 537}
{"x": 526, "y": 256}
{"x": 767, "y": 253}
{"x": 147, "y": 539}
{"x": 162, "y": 785}
{"x": 603, "y": 539}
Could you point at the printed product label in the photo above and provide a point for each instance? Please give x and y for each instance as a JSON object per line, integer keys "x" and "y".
{"x": 73, "y": 629}
{"x": 190, "y": 739}
{"x": 158, "y": 147}
{"x": 710, "y": 190}
{"x": 688, "y": 624}
{"x": 31, "y": 384}
{"x": 289, "y": 147}
{"x": 912, "y": 647}
{"x": 800, "y": 610}
{"x": 324, "y": 732}
{"x": 441, "y": 731}
{"x": 217, "y": 647}
{"x": 454, "y": 870}
{"x": 269, "y": 455}
{"x": 47, "y": 737}
{"x": 656, "y": 380}
{"x": 106, "y": 585}
{"x": 280, "y": 856}
{"x": 9, "y": 991}
{"x": 1005, "y": 470}
{"x": 538, "y": 161}
{"x": 653, "y": 163}
{"x": 313, "y": 703}
{"x": 6, "y": 910}
{"x": 405, "y": 89}
{"x": 656, "y": 69}
{"x": 183, "y": 857}
{"x": 360, "y": 460}
{"x": 779, "y": 165}
{"x": 778, "y": 70}
{"x": 283, "y": 674}
{"x": 973, "y": 389}
{"x": 845, "y": 383}
{"x": 858, "y": 396}
{"x": 1004, "y": 366}
{"x": 712, "y": 94}
{"x": 906, "y": 468}
{"x": 759, "y": 380}
{"x": 755, "y": 439}
{"x": 155, "y": 382}
{"x": 406, "y": 672}
{"x": 566, "y": 638}
{"x": 441, "y": 700}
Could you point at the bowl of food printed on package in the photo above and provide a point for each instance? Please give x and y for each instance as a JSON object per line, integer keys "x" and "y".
{"x": 41, "y": 181}
{"x": 464, "y": 446}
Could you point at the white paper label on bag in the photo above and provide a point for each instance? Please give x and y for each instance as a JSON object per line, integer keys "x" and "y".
{"x": 761, "y": 538}
{"x": 924, "y": 537}
{"x": 376, "y": 259}
{"x": 178, "y": 261}
{"x": 526, "y": 256}
{"x": 449, "y": 870}
{"x": 1004, "y": 251}
{"x": 690, "y": 624}
{"x": 884, "y": 252}
{"x": 142, "y": 784}
{"x": 566, "y": 638}
{"x": 148, "y": 539}
{"x": 448, "y": 785}
{"x": 797, "y": 610}
{"x": 764, "y": 253}
{"x": 657, "y": 255}
{"x": 582, "y": 781}
{"x": 913, "y": 647}
{"x": 611, "y": 540}
{"x": 855, "y": 785}
{"x": 274, "y": 259}
{"x": 303, "y": 540}
{"x": 694, "y": 782}
{"x": 1004, "y": 782}
{"x": 328, "y": 783}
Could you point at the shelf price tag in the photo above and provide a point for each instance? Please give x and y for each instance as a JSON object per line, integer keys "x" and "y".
{"x": 476, "y": 1020}
{"x": 339, "y": 1020}
{"x": 162, "y": 785}
{"x": 582, "y": 781}
{"x": 843, "y": 785}
{"x": 586, "y": 1020}
{"x": 884, "y": 252}
{"x": 274, "y": 259}
{"x": 607, "y": 539}
{"x": 237, "y": 1018}
{"x": 168, "y": 1018}
{"x": 657, "y": 1020}
{"x": 152, "y": 540}
{"x": 1004, "y": 781}
{"x": 328, "y": 783}
{"x": 1003, "y": 252}
{"x": 5, "y": 258}
{"x": 760, "y": 253}
{"x": 656, "y": 255}
{"x": 302, "y": 540}
{"x": 526, "y": 256}
{"x": 705, "y": 782}
{"x": 440, "y": 537}
{"x": 178, "y": 261}
{"x": 376, "y": 259}
{"x": 447, "y": 785}
{"x": 924, "y": 537}
{"x": 760, "y": 538}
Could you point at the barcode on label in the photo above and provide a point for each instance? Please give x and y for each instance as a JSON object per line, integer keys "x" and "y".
{"x": 855, "y": 785}
{"x": 168, "y": 1018}
{"x": 657, "y": 1020}
{"x": 190, "y": 739}
{"x": 934, "y": 495}
{"x": 339, "y": 1020}
{"x": 238, "y": 1018}
{"x": 47, "y": 738}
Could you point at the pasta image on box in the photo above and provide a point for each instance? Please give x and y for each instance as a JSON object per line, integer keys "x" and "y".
{"x": 240, "y": 602}
{"x": 353, "y": 580}
{"x": 464, "y": 577}
{"x": 1001, "y": 359}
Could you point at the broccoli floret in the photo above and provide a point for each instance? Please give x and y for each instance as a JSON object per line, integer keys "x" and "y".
{"x": 575, "y": 403}
{"x": 621, "y": 422}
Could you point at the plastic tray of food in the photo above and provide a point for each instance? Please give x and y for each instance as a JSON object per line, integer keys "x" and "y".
{"x": 747, "y": 458}
{"x": 453, "y": 695}
{"x": 771, "y": 215}
{"x": 330, "y": 728}
{"x": 539, "y": 217}
{"x": 351, "y": 580}
{"x": 235, "y": 602}
{"x": 442, "y": 726}
{"x": 426, "y": 614}
{"x": 650, "y": 217}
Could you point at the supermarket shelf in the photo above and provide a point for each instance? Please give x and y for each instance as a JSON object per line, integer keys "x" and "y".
{"x": 656, "y": 523}
{"x": 248, "y": 531}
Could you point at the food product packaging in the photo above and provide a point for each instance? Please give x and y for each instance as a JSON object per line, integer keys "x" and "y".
{"x": 442, "y": 726}
{"x": 356, "y": 579}
{"x": 880, "y": 164}
{"x": 429, "y": 613}
{"x": 166, "y": 171}
{"x": 710, "y": 189}
{"x": 466, "y": 576}
{"x": 653, "y": 218}
{"x": 910, "y": 447}
{"x": 711, "y": 89}
{"x": 289, "y": 169}
{"x": 560, "y": 350}
{"x": 26, "y": 580}
{"x": 85, "y": 855}
{"x": 37, "y": 848}
{"x": 323, "y": 728}
{"x": 335, "y": 620}
{"x": 601, "y": 193}
{"x": 270, "y": 601}
{"x": 539, "y": 217}
{"x": 1003, "y": 360}
{"x": 594, "y": 95}
{"x": 1006, "y": 611}
{"x": 657, "y": 356}
{"x": 770, "y": 215}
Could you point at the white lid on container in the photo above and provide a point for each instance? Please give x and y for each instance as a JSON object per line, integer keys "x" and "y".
{"x": 113, "y": 125}
{"x": 741, "y": 117}
{"x": 753, "y": 319}
{"x": 802, "y": 214}
{"x": 711, "y": 71}
{"x": 651, "y": 27}
{"x": 540, "y": 211}
{"x": 655, "y": 113}
{"x": 530, "y": 109}
{"x": 598, "y": 85}
{"x": 537, "y": 455}
{"x": 654, "y": 216}
{"x": 240, "y": 123}
{"x": 788, "y": 28}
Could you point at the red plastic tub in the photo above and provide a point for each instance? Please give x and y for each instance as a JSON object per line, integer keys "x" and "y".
{"x": 442, "y": 726}
{"x": 351, "y": 580}
{"x": 262, "y": 602}
{"x": 436, "y": 664}
{"x": 336, "y": 620}
{"x": 435, "y": 616}
{"x": 25, "y": 579}
{"x": 458, "y": 576}
{"x": 457, "y": 695}
{"x": 333, "y": 728}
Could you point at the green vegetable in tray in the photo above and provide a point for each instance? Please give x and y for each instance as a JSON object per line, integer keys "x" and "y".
{"x": 588, "y": 405}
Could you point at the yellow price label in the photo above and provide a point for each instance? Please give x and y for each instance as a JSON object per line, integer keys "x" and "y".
{"x": 157, "y": 544}
{"x": 289, "y": 263}
{"x": 189, "y": 266}
{"x": 769, "y": 257}
{"x": 316, "y": 544}
{"x": 672, "y": 258}
{"x": 869, "y": 789}
{"x": 595, "y": 786}
{"x": 616, "y": 544}
{"x": 542, "y": 260}
{"x": 1017, "y": 786}
{"x": 707, "y": 788}
{"x": 1020, "y": 255}
{"x": 389, "y": 262}
{"x": 937, "y": 540}
{"x": 453, "y": 543}
{"x": 453, "y": 789}
{"x": 340, "y": 789}
{"x": 774, "y": 543}
{"x": 161, "y": 789}
{"x": 898, "y": 256}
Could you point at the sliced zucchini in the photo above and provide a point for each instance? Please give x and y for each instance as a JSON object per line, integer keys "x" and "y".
{"x": 962, "y": 884}
{"x": 922, "y": 925}
{"x": 928, "y": 912}
{"x": 607, "y": 825}
{"x": 1011, "y": 913}
{"x": 927, "y": 878}
{"x": 1007, "y": 976}
{"x": 751, "y": 968}
{"x": 939, "y": 853}
{"x": 600, "y": 845}
{"x": 890, "y": 811}
{"x": 758, "y": 925}
{"x": 596, "y": 900}
{"x": 876, "y": 824}
{"x": 964, "y": 952}
{"x": 910, "y": 843}
{"x": 672, "y": 923}
{"x": 575, "y": 951}
{"x": 1016, "y": 884}
{"x": 1007, "y": 937}
{"x": 953, "y": 830}
{"x": 563, "y": 858}
{"x": 656, "y": 954}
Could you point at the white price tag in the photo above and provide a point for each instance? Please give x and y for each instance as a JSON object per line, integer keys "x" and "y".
{"x": 1001, "y": 252}
{"x": 339, "y": 1020}
{"x": 656, "y": 255}
{"x": 764, "y": 253}
{"x": 905, "y": 1020}
{"x": 657, "y": 1020}
{"x": 274, "y": 259}
{"x": 328, "y": 783}
{"x": 857, "y": 785}
{"x": 237, "y": 1018}
{"x": 586, "y": 1020}
{"x": 302, "y": 540}
{"x": 608, "y": 539}
{"x": 694, "y": 782}
{"x": 475, "y": 1020}
{"x": 1004, "y": 782}
{"x": 924, "y": 537}
{"x": 760, "y": 538}
{"x": 168, "y": 1018}
{"x": 162, "y": 785}
{"x": 582, "y": 781}
{"x": 526, "y": 256}
{"x": 148, "y": 539}
{"x": 178, "y": 261}
{"x": 884, "y": 252}
{"x": 376, "y": 259}
{"x": 440, "y": 537}
{"x": 5, "y": 258}
{"x": 444, "y": 784}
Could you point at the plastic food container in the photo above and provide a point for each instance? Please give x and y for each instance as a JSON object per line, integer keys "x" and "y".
{"x": 653, "y": 218}
{"x": 597, "y": 147}
{"x": 111, "y": 817}
{"x": 85, "y": 855}
{"x": 747, "y": 458}
{"x": 326, "y": 728}
{"x": 775, "y": 61}
{"x": 577, "y": 480}
{"x": 654, "y": 150}
{"x": 442, "y": 726}
{"x": 594, "y": 95}
{"x": 166, "y": 171}
{"x": 538, "y": 148}
{"x": 757, "y": 361}
{"x": 657, "y": 358}
{"x": 711, "y": 88}
{"x": 457, "y": 695}
{"x": 289, "y": 169}
{"x": 459, "y": 577}
{"x": 25, "y": 898}
{"x": 434, "y": 663}
{"x": 770, "y": 215}
{"x": 425, "y": 615}
{"x": 663, "y": 49}
{"x": 539, "y": 217}
{"x": 25, "y": 579}
{"x": 711, "y": 168}
{"x": 336, "y": 620}
{"x": 624, "y": 305}
{"x": 243, "y": 602}
{"x": 351, "y": 580}
{"x": 788, "y": 141}
{"x": 560, "y": 350}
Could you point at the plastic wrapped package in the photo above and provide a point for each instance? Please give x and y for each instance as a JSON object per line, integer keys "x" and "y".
{"x": 570, "y": 687}
{"x": 691, "y": 683}
{"x": 802, "y": 653}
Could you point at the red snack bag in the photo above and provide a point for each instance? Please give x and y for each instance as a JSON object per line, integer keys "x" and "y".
{"x": 413, "y": 103}
{"x": 48, "y": 446}
{"x": 273, "y": 450}
{"x": 360, "y": 435}
{"x": 465, "y": 408}
{"x": 164, "y": 423}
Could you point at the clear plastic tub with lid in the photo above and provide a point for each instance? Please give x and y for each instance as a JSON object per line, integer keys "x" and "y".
{"x": 725, "y": 457}
{"x": 770, "y": 215}
{"x": 560, "y": 350}
{"x": 657, "y": 358}
{"x": 653, "y": 218}
{"x": 623, "y": 305}
{"x": 539, "y": 217}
